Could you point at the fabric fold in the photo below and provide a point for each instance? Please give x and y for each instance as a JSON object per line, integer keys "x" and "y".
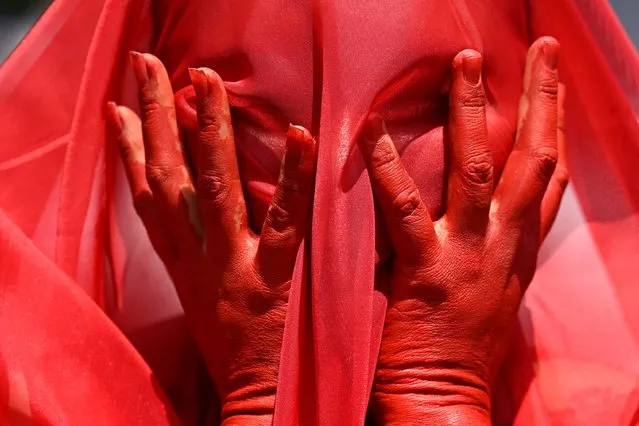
{"x": 323, "y": 65}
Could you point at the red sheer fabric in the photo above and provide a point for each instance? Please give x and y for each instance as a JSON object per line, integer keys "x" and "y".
{"x": 70, "y": 238}
{"x": 63, "y": 361}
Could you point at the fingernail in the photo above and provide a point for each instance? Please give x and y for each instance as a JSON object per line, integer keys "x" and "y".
{"x": 296, "y": 133}
{"x": 550, "y": 50}
{"x": 471, "y": 68}
{"x": 194, "y": 74}
{"x": 375, "y": 128}
{"x": 139, "y": 67}
{"x": 299, "y": 146}
{"x": 200, "y": 79}
{"x": 196, "y": 80}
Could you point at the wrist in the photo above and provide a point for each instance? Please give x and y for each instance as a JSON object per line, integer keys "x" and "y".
{"x": 464, "y": 399}
{"x": 250, "y": 410}
{"x": 249, "y": 420}
{"x": 417, "y": 410}
{"x": 447, "y": 392}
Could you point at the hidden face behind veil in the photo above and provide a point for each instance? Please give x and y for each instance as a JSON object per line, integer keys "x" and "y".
{"x": 325, "y": 66}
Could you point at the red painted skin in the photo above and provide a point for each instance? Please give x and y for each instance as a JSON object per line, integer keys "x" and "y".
{"x": 456, "y": 284}
{"x": 75, "y": 250}
{"x": 232, "y": 284}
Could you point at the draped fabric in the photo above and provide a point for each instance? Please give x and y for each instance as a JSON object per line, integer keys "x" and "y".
{"x": 90, "y": 326}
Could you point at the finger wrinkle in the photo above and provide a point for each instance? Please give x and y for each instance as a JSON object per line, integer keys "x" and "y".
{"x": 384, "y": 155}
{"x": 478, "y": 169}
{"x": 162, "y": 173}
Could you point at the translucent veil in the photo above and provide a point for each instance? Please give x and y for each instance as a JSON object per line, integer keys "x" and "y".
{"x": 86, "y": 308}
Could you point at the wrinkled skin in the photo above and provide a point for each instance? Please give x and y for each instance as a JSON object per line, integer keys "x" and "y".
{"x": 457, "y": 283}
{"x": 233, "y": 284}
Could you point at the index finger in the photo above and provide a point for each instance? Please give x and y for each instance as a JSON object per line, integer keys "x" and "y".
{"x": 409, "y": 224}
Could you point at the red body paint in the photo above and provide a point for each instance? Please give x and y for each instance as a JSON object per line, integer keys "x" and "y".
{"x": 233, "y": 285}
{"x": 66, "y": 203}
{"x": 456, "y": 284}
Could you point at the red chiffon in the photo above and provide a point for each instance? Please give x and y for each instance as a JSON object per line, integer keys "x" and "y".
{"x": 63, "y": 361}
{"x": 69, "y": 224}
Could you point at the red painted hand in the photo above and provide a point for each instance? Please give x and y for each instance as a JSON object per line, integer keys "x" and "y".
{"x": 457, "y": 283}
{"x": 232, "y": 284}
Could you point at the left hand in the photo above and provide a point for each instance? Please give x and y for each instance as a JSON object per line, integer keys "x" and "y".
{"x": 232, "y": 283}
{"x": 457, "y": 283}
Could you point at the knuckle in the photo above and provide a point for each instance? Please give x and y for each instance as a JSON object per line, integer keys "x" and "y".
{"x": 384, "y": 156}
{"x": 213, "y": 189}
{"x": 150, "y": 107}
{"x": 279, "y": 216}
{"x": 474, "y": 101}
{"x": 155, "y": 115}
{"x": 160, "y": 174}
{"x": 478, "y": 169}
{"x": 406, "y": 203}
{"x": 209, "y": 127}
{"x": 549, "y": 87}
{"x": 291, "y": 187}
{"x": 544, "y": 160}
{"x": 290, "y": 197}
{"x": 208, "y": 121}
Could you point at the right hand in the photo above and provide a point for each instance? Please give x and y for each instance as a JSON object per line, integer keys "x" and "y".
{"x": 233, "y": 284}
